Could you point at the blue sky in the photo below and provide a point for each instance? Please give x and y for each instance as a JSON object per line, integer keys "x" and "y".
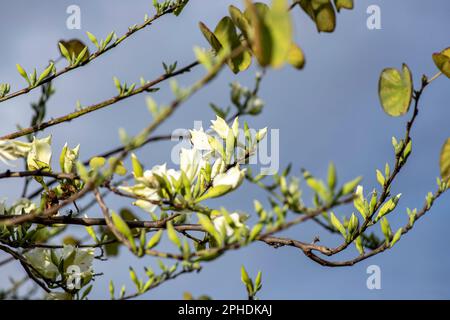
{"x": 327, "y": 112}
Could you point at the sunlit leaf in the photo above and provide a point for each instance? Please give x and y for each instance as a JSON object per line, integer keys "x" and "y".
{"x": 295, "y": 57}
{"x": 343, "y": 4}
{"x": 321, "y": 12}
{"x": 227, "y": 36}
{"x": 445, "y": 161}
{"x": 74, "y": 48}
{"x": 442, "y": 61}
{"x": 395, "y": 90}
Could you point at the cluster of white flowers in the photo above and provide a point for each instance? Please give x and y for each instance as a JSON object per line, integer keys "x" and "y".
{"x": 21, "y": 206}
{"x": 209, "y": 169}
{"x": 53, "y": 264}
{"x": 38, "y": 154}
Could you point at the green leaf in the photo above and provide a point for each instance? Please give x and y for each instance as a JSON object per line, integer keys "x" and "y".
{"x": 134, "y": 278}
{"x": 111, "y": 289}
{"x": 255, "y": 232}
{"x": 240, "y": 21}
{"x": 97, "y": 162}
{"x": 260, "y": 40}
{"x": 258, "y": 281}
{"x": 386, "y": 229}
{"x": 81, "y": 55}
{"x": 388, "y": 207}
{"x": 64, "y": 51}
{"x": 445, "y": 161}
{"x": 295, "y": 57}
{"x": 225, "y": 33}
{"x": 86, "y": 292}
{"x": 245, "y": 278}
{"x": 73, "y": 48}
{"x": 316, "y": 185}
{"x": 332, "y": 177}
{"x": 380, "y": 178}
{"x": 172, "y": 234}
{"x": 90, "y": 230}
{"x": 46, "y": 72}
{"x": 119, "y": 168}
{"x": 272, "y": 32}
{"x": 359, "y": 245}
{"x": 210, "y": 37}
{"x": 442, "y": 61}
{"x": 206, "y": 223}
{"x": 395, "y": 90}
{"x": 337, "y": 225}
{"x": 23, "y": 73}
{"x": 154, "y": 240}
{"x": 279, "y": 24}
{"x": 92, "y": 38}
{"x": 321, "y": 12}
{"x": 215, "y": 192}
{"x": 343, "y": 4}
{"x": 137, "y": 167}
{"x": 396, "y": 237}
{"x": 350, "y": 186}
{"x": 122, "y": 226}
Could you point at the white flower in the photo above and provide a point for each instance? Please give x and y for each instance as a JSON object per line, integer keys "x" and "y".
{"x": 68, "y": 158}
{"x": 22, "y": 206}
{"x": 83, "y": 259}
{"x": 141, "y": 190}
{"x": 359, "y": 191}
{"x": 41, "y": 260}
{"x": 261, "y": 134}
{"x": 233, "y": 177}
{"x": 220, "y": 224}
{"x": 221, "y": 127}
{"x": 12, "y": 150}
{"x": 146, "y": 205}
{"x": 190, "y": 162}
{"x": 199, "y": 140}
{"x": 40, "y": 154}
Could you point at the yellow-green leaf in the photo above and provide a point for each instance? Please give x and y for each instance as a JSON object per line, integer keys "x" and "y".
{"x": 272, "y": 32}
{"x": 321, "y": 12}
{"x": 172, "y": 234}
{"x": 442, "y": 61}
{"x": 210, "y": 37}
{"x": 445, "y": 161}
{"x": 154, "y": 240}
{"x": 137, "y": 167}
{"x": 225, "y": 33}
{"x": 97, "y": 162}
{"x": 337, "y": 224}
{"x": 260, "y": 37}
{"x": 74, "y": 47}
{"x": 343, "y": 4}
{"x": 395, "y": 90}
{"x": 122, "y": 226}
{"x": 280, "y": 26}
{"x": 215, "y": 192}
{"x": 295, "y": 57}
{"x": 240, "y": 21}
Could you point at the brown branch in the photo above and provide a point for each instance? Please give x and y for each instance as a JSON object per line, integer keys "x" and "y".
{"x": 98, "y": 106}
{"x": 109, "y": 221}
{"x": 37, "y": 173}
